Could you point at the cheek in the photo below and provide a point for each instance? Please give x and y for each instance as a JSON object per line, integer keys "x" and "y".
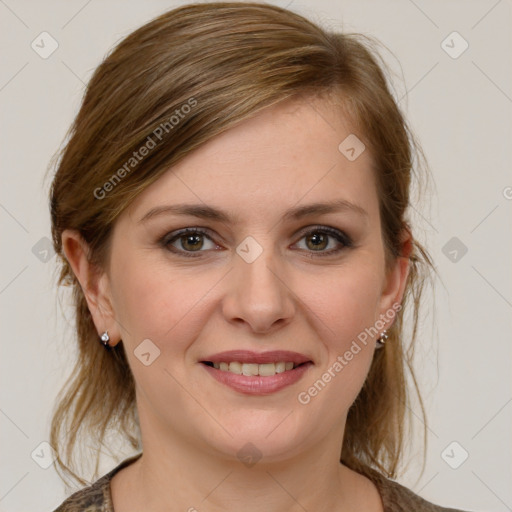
{"x": 346, "y": 304}
{"x": 343, "y": 311}
{"x": 158, "y": 304}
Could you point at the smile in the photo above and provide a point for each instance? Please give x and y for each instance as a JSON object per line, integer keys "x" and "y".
{"x": 255, "y": 373}
{"x": 253, "y": 369}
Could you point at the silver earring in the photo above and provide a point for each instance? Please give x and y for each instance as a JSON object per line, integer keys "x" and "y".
{"x": 382, "y": 339}
{"x": 105, "y": 338}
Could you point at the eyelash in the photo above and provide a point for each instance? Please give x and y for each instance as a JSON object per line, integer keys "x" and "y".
{"x": 340, "y": 236}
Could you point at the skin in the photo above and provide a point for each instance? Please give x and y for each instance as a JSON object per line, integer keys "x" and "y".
{"x": 190, "y": 307}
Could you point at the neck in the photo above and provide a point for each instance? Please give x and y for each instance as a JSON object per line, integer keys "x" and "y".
{"x": 172, "y": 474}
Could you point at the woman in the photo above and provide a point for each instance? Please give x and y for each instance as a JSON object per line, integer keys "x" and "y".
{"x": 230, "y": 212}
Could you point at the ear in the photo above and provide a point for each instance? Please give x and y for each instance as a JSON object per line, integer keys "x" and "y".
{"x": 94, "y": 282}
{"x": 396, "y": 278}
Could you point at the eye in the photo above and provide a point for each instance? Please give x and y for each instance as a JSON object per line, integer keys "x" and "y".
{"x": 320, "y": 238}
{"x": 188, "y": 240}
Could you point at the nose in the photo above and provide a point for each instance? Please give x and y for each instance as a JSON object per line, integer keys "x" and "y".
{"x": 259, "y": 294}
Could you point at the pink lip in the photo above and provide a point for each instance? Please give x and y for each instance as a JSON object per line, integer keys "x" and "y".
{"x": 257, "y": 385}
{"x": 247, "y": 356}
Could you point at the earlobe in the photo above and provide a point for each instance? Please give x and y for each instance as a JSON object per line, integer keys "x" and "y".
{"x": 94, "y": 283}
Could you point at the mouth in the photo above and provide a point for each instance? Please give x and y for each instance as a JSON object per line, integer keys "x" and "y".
{"x": 257, "y": 373}
{"x": 254, "y": 369}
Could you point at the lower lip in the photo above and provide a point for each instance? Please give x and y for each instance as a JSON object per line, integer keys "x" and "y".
{"x": 256, "y": 385}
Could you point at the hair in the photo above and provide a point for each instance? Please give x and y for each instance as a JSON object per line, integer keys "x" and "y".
{"x": 225, "y": 61}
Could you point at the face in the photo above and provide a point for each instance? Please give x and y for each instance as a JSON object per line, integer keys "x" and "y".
{"x": 260, "y": 273}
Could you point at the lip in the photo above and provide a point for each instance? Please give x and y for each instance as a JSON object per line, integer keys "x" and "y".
{"x": 256, "y": 385}
{"x": 248, "y": 356}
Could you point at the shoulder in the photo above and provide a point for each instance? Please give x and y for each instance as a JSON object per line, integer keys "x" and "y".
{"x": 96, "y": 497}
{"x": 90, "y": 499}
{"x": 397, "y": 498}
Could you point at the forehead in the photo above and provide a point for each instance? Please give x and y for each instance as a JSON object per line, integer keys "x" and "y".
{"x": 290, "y": 153}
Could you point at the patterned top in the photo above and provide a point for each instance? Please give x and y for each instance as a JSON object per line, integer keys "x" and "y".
{"x": 395, "y": 497}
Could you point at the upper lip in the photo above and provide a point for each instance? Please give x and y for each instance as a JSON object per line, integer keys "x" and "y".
{"x": 247, "y": 356}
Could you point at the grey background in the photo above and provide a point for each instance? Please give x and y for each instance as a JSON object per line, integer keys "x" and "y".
{"x": 460, "y": 108}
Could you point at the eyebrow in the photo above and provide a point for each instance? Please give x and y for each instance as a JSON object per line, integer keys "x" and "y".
{"x": 207, "y": 212}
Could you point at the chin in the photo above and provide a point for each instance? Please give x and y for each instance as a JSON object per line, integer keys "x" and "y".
{"x": 269, "y": 436}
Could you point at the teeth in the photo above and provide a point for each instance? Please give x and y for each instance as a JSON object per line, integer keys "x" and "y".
{"x": 280, "y": 367}
{"x": 235, "y": 368}
{"x": 249, "y": 369}
{"x": 265, "y": 370}
{"x": 253, "y": 369}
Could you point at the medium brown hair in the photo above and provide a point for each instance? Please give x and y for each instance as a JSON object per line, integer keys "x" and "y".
{"x": 229, "y": 60}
